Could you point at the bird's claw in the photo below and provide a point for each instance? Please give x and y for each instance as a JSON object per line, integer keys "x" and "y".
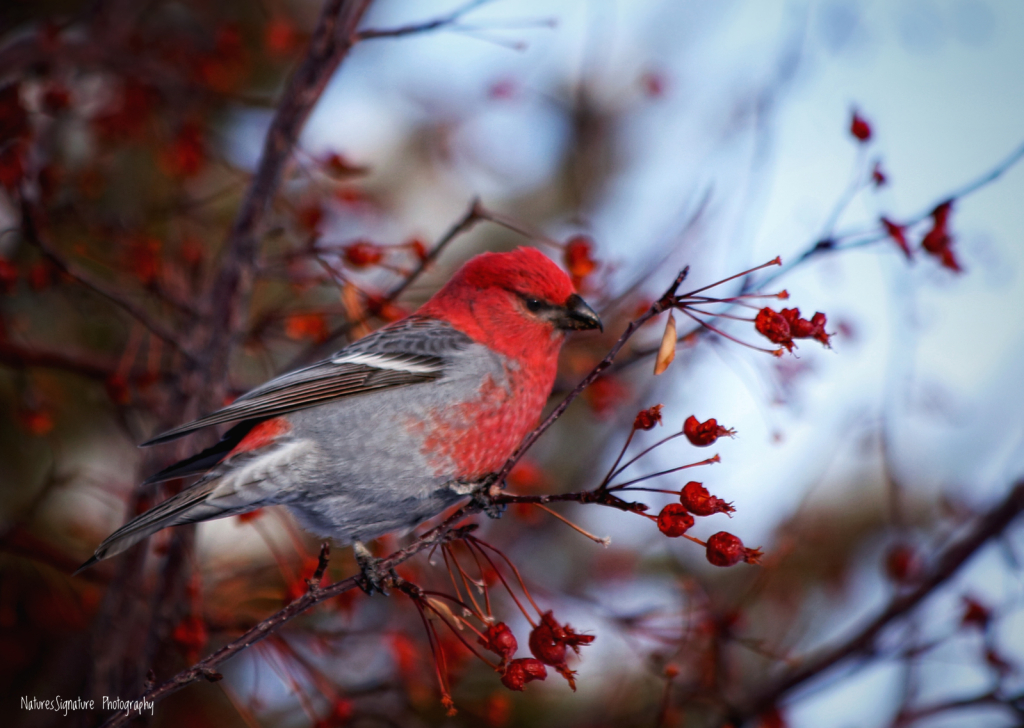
{"x": 485, "y": 496}
{"x": 373, "y": 577}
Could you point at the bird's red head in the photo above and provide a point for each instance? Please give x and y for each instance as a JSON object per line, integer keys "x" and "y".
{"x": 517, "y": 303}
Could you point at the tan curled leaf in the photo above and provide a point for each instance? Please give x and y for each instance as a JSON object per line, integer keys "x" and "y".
{"x": 667, "y": 350}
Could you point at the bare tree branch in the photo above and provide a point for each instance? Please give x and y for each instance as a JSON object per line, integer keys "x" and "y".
{"x": 949, "y": 560}
{"x": 332, "y": 39}
{"x": 30, "y": 226}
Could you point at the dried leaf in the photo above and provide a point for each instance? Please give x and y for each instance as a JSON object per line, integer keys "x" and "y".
{"x": 667, "y": 351}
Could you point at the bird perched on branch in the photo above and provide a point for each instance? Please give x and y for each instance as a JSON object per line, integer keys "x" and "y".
{"x": 395, "y": 427}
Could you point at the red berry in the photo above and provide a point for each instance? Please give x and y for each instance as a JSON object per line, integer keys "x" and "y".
{"x": 773, "y": 326}
{"x": 696, "y": 499}
{"x": 521, "y": 671}
{"x": 724, "y": 549}
{"x": 579, "y": 258}
{"x": 499, "y": 639}
{"x": 362, "y": 253}
{"x": 705, "y": 433}
{"x": 648, "y": 418}
{"x": 860, "y": 128}
{"x": 674, "y": 521}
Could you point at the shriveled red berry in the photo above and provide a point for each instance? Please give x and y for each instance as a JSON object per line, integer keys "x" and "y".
{"x": 774, "y": 327}
{"x": 521, "y": 671}
{"x": 696, "y": 499}
{"x": 646, "y": 419}
{"x": 499, "y": 639}
{"x": 544, "y": 642}
{"x": 674, "y": 520}
{"x": 704, "y": 433}
{"x": 548, "y": 641}
{"x": 801, "y": 328}
{"x": 724, "y": 549}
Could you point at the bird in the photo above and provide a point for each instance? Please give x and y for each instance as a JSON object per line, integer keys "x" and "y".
{"x": 393, "y": 428}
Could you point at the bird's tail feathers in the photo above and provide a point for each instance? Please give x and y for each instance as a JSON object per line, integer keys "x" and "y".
{"x": 189, "y": 506}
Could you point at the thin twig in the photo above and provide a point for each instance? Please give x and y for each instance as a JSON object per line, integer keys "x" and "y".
{"x": 30, "y": 227}
{"x": 471, "y": 217}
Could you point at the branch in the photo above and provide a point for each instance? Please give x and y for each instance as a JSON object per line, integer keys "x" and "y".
{"x": 424, "y": 27}
{"x": 19, "y": 357}
{"x": 987, "y": 527}
{"x": 852, "y": 239}
{"x": 332, "y": 39}
{"x": 30, "y": 227}
{"x": 446, "y": 531}
{"x": 473, "y": 215}
{"x": 205, "y": 668}
{"x": 662, "y": 304}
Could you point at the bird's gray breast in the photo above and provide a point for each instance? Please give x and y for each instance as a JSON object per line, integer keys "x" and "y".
{"x": 369, "y": 470}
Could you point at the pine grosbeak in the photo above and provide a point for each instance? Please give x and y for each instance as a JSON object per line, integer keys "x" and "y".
{"x": 395, "y": 427}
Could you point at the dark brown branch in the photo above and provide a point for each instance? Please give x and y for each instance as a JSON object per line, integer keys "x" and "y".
{"x": 910, "y": 717}
{"x": 836, "y": 244}
{"x": 442, "y": 533}
{"x": 424, "y": 27}
{"x": 205, "y": 669}
{"x": 23, "y": 357}
{"x": 332, "y": 39}
{"x": 662, "y": 304}
{"x": 949, "y": 560}
{"x": 30, "y": 227}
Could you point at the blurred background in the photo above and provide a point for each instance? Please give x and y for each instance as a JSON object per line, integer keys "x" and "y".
{"x": 714, "y": 135}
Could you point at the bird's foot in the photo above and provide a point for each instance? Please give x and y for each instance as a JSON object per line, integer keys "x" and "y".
{"x": 373, "y": 577}
{"x": 485, "y": 497}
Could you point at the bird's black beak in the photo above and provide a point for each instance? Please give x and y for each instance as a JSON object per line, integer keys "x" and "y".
{"x": 576, "y": 314}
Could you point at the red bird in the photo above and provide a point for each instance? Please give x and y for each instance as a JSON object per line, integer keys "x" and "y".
{"x": 395, "y": 427}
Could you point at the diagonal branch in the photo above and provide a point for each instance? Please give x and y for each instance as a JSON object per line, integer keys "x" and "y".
{"x": 78, "y": 363}
{"x": 988, "y": 526}
{"x": 30, "y": 227}
{"x": 332, "y": 39}
{"x": 446, "y": 531}
{"x": 424, "y": 27}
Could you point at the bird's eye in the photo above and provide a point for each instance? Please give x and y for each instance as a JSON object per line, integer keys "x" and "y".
{"x": 534, "y": 305}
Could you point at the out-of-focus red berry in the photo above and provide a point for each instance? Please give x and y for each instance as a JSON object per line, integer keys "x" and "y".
{"x": 878, "y": 176}
{"x": 898, "y": 234}
{"x": 579, "y": 258}
{"x": 860, "y": 128}
{"x": 975, "y": 613}
{"x": 363, "y": 253}
{"x": 902, "y": 563}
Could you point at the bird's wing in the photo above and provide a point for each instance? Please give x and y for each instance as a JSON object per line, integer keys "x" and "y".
{"x": 412, "y": 351}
